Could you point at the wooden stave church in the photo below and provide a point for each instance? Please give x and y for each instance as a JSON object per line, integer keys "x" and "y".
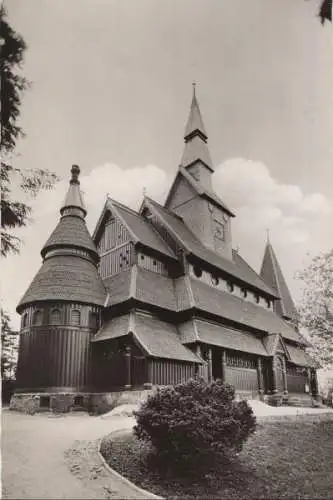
{"x": 157, "y": 296}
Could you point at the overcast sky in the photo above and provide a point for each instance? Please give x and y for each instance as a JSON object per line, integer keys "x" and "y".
{"x": 111, "y": 91}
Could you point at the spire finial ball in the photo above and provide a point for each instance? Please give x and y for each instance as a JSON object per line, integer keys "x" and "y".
{"x": 75, "y": 171}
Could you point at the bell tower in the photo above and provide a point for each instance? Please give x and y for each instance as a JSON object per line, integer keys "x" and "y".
{"x": 192, "y": 196}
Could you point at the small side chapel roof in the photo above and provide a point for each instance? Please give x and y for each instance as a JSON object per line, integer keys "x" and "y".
{"x": 157, "y": 338}
{"x": 271, "y": 274}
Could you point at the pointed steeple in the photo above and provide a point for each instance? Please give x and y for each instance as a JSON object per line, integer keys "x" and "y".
{"x": 195, "y": 123}
{"x": 74, "y": 203}
{"x": 272, "y": 275}
{"x": 196, "y": 157}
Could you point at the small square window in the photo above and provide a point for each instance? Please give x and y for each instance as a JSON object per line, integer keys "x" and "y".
{"x": 44, "y": 402}
{"x": 78, "y": 401}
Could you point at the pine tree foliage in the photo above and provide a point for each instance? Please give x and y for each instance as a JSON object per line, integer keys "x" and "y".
{"x": 14, "y": 213}
{"x": 9, "y": 348}
{"x": 316, "y": 312}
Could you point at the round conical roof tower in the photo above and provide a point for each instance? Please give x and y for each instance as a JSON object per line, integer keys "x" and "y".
{"x": 69, "y": 270}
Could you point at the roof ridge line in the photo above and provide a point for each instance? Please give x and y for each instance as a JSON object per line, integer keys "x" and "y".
{"x": 171, "y": 230}
{"x": 129, "y": 229}
{"x": 125, "y": 207}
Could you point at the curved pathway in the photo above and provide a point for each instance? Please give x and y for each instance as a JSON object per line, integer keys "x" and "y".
{"x": 46, "y": 456}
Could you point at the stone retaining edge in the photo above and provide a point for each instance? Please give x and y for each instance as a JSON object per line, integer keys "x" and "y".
{"x": 145, "y": 493}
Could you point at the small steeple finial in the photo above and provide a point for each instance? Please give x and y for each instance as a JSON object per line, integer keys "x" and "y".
{"x": 267, "y": 233}
{"x": 75, "y": 171}
{"x": 194, "y": 84}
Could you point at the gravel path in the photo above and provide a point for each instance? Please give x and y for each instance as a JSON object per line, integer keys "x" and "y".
{"x": 45, "y": 456}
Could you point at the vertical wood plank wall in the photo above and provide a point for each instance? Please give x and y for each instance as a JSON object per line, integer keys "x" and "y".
{"x": 57, "y": 355}
{"x": 152, "y": 264}
{"x": 245, "y": 379}
{"x": 165, "y": 372}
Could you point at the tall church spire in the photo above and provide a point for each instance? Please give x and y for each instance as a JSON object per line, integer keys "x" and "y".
{"x": 272, "y": 275}
{"x": 196, "y": 158}
{"x": 195, "y": 123}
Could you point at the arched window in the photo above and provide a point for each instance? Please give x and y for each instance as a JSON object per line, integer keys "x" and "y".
{"x": 257, "y": 298}
{"x": 244, "y": 292}
{"x": 76, "y": 317}
{"x": 55, "y": 317}
{"x": 268, "y": 303}
{"x": 230, "y": 286}
{"x": 25, "y": 320}
{"x": 37, "y": 318}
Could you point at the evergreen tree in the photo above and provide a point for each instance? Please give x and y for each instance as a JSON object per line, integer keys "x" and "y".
{"x": 9, "y": 348}
{"x": 14, "y": 213}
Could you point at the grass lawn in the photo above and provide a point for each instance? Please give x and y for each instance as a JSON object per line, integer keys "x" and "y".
{"x": 286, "y": 458}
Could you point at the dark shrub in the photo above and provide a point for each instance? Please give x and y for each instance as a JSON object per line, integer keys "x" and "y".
{"x": 195, "y": 422}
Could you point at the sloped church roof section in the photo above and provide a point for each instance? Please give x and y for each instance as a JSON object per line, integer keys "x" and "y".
{"x": 69, "y": 269}
{"x": 272, "y": 275}
{"x": 236, "y": 268}
{"x": 140, "y": 230}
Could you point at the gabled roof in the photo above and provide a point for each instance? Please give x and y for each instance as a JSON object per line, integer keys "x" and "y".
{"x": 236, "y": 268}
{"x": 66, "y": 277}
{"x": 199, "y": 189}
{"x": 274, "y": 342}
{"x": 271, "y": 273}
{"x": 219, "y": 335}
{"x": 140, "y": 230}
{"x": 237, "y": 310}
{"x": 156, "y": 338}
{"x": 299, "y": 357}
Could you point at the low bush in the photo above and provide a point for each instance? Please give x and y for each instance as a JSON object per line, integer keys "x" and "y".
{"x": 194, "y": 423}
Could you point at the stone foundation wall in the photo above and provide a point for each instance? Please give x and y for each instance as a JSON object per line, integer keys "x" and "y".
{"x": 94, "y": 403}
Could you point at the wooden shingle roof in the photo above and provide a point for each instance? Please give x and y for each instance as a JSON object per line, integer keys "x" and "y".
{"x": 156, "y": 338}
{"x": 219, "y": 335}
{"x": 272, "y": 274}
{"x": 161, "y": 339}
{"x": 240, "y": 311}
{"x": 70, "y": 231}
{"x": 236, "y": 268}
{"x": 69, "y": 278}
{"x": 144, "y": 286}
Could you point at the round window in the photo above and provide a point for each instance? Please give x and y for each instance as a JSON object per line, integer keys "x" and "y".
{"x": 197, "y": 272}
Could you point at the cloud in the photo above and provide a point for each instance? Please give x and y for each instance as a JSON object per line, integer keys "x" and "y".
{"x": 298, "y": 222}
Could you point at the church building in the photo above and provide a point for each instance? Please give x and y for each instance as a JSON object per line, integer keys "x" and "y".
{"x": 155, "y": 297}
